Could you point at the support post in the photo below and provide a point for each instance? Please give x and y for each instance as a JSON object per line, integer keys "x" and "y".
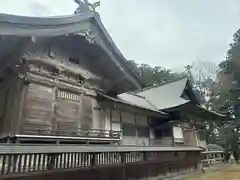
{"x": 144, "y": 156}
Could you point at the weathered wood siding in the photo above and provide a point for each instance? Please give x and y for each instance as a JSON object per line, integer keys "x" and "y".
{"x": 52, "y": 111}
{"x": 37, "y": 109}
{"x": 86, "y": 115}
{"x": 190, "y": 134}
{"x": 190, "y": 137}
{"x": 3, "y": 103}
{"x": 9, "y": 101}
{"x": 66, "y": 113}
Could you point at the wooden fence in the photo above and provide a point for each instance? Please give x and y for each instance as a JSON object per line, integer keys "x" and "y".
{"x": 24, "y": 159}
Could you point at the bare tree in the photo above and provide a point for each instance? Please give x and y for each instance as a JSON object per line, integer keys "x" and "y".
{"x": 202, "y": 75}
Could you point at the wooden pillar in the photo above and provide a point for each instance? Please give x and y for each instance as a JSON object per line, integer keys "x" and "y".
{"x": 121, "y": 127}
{"x": 145, "y": 156}
{"x": 173, "y": 143}
{"x": 96, "y": 115}
{"x": 53, "y": 120}
{"x": 110, "y": 116}
{"x": 135, "y": 124}
{"x": 24, "y": 90}
{"x": 15, "y": 98}
{"x": 120, "y": 116}
{"x": 3, "y": 114}
{"x": 107, "y": 120}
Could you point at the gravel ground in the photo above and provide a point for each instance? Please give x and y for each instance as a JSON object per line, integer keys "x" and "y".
{"x": 225, "y": 172}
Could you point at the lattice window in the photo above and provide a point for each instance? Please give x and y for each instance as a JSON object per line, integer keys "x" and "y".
{"x": 68, "y": 96}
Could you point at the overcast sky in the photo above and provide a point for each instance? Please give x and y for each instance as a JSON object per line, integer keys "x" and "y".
{"x": 167, "y": 33}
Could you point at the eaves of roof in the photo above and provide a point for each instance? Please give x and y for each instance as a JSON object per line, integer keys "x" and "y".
{"x": 161, "y": 113}
{"x": 12, "y": 25}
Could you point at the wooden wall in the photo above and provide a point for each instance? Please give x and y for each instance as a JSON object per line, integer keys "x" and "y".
{"x": 190, "y": 137}
{"x": 52, "y": 111}
{"x": 37, "y": 108}
{"x": 10, "y": 97}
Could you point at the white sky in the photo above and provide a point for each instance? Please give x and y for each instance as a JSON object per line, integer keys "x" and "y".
{"x": 167, "y": 33}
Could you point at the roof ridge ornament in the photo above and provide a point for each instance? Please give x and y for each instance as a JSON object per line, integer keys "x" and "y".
{"x": 84, "y": 6}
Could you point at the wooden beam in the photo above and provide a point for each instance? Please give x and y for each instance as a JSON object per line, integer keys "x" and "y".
{"x": 65, "y": 67}
{"x": 43, "y": 148}
{"x": 57, "y": 83}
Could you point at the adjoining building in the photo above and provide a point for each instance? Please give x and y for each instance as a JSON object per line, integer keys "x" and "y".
{"x": 64, "y": 81}
{"x": 185, "y": 114}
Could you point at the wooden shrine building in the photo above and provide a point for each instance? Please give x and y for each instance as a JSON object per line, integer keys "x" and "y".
{"x": 64, "y": 94}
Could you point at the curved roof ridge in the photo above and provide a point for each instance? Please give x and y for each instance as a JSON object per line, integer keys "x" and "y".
{"x": 50, "y": 20}
{"x": 151, "y": 103}
{"x": 63, "y": 25}
{"x": 116, "y": 49}
{"x": 143, "y": 97}
{"x": 162, "y": 84}
{"x": 134, "y": 94}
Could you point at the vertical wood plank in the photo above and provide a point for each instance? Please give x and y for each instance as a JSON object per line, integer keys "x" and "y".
{"x": 9, "y": 163}
{"x": 30, "y": 162}
{"x": 65, "y": 160}
{"x": 25, "y": 162}
{"x": 61, "y": 160}
{"x": 34, "y": 162}
{"x": 53, "y": 112}
{"x": 79, "y": 160}
{"x": 19, "y": 166}
{"x": 56, "y": 165}
{"x": 110, "y": 115}
{"x": 68, "y": 160}
{"x": 71, "y": 160}
{"x": 4, "y": 159}
{"x": 22, "y": 98}
{"x": 15, "y": 158}
{"x": 82, "y": 159}
{"x": 39, "y": 162}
